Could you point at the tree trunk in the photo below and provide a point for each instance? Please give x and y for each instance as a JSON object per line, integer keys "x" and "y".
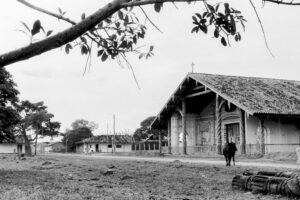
{"x": 27, "y": 143}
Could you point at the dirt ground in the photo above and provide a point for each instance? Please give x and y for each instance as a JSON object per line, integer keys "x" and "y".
{"x": 71, "y": 178}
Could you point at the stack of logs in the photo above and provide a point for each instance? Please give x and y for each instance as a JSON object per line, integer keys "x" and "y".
{"x": 284, "y": 183}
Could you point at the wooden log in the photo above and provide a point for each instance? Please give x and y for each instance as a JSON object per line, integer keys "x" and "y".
{"x": 268, "y": 184}
{"x": 294, "y": 187}
{"x": 240, "y": 182}
{"x": 271, "y": 173}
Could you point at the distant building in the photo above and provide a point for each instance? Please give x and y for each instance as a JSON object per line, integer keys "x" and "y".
{"x": 13, "y": 146}
{"x": 57, "y": 147}
{"x": 206, "y": 111}
{"x": 44, "y": 143}
{"x": 105, "y": 143}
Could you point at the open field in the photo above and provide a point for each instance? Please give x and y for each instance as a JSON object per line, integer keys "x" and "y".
{"x": 72, "y": 178}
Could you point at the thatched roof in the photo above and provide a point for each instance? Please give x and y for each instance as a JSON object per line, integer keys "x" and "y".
{"x": 255, "y": 95}
{"x": 107, "y": 139}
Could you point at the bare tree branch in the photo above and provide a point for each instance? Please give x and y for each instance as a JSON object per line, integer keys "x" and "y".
{"x": 73, "y": 32}
{"x": 147, "y": 17}
{"x": 61, "y": 38}
{"x": 55, "y": 15}
{"x": 283, "y": 3}
{"x": 134, "y": 3}
{"x": 262, "y": 28}
{"x": 46, "y": 11}
{"x": 132, "y": 70}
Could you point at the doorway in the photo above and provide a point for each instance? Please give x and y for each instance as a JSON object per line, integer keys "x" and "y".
{"x": 233, "y": 133}
{"x": 97, "y": 147}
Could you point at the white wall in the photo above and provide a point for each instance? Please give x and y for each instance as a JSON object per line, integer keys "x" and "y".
{"x": 278, "y": 134}
{"x": 175, "y": 130}
{"x": 8, "y": 148}
{"x": 104, "y": 148}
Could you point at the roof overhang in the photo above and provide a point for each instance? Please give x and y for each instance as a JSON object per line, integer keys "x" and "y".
{"x": 177, "y": 95}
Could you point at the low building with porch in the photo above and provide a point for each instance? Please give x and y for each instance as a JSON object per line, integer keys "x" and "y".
{"x": 260, "y": 115}
{"x": 57, "y": 147}
{"x": 13, "y": 146}
{"x": 105, "y": 144}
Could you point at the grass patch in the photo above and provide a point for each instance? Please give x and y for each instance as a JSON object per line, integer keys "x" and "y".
{"x": 72, "y": 178}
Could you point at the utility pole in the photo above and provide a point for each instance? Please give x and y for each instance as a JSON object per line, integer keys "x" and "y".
{"x": 114, "y": 132}
{"x": 107, "y": 136}
{"x": 66, "y": 142}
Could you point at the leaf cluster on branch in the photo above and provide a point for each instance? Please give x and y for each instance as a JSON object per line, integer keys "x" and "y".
{"x": 223, "y": 21}
{"x": 115, "y": 29}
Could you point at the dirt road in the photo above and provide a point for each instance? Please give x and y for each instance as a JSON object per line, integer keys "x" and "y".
{"x": 257, "y": 163}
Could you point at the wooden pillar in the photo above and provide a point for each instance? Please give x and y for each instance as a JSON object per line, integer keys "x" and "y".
{"x": 242, "y": 132}
{"x": 176, "y": 138}
{"x": 159, "y": 145}
{"x": 262, "y": 136}
{"x": 169, "y": 137}
{"x": 225, "y": 139}
{"x": 218, "y": 125}
{"x": 184, "y": 126}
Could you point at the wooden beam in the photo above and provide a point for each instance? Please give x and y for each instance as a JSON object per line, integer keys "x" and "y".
{"x": 173, "y": 97}
{"x": 169, "y": 136}
{"x": 242, "y": 132}
{"x": 197, "y": 94}
{"x": 218, "y": 125}
{"x": 184, "y": 126}
{"x": 197, "y": 88}
{"x": 180, "y": 111}
{"x": 262, "y": 135}
{"x": 182, "y": 87}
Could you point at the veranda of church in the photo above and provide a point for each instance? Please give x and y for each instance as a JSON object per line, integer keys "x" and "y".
{"x": 206, "y": 111}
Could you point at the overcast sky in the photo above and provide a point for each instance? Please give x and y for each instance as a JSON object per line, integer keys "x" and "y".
{"x": 107, "y": 89}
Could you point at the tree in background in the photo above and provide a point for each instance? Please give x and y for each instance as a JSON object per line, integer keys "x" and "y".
{"x": 35, "y": 117}
{"x": 144, "y": 132}
{"x": 76, "y": 135}
{"x": 9, "y": 116}
{"x": 79, "y": 123}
